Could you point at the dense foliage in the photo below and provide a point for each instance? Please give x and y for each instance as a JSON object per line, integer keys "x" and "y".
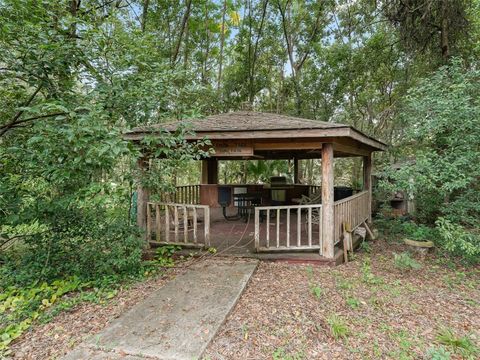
{"x": 75, "y": 74}
{"x": 442, "y": 140}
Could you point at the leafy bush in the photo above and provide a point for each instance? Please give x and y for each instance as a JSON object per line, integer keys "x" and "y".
{"x": 441, "y": 117}
{"x": 78, "y": 242}
{"x": 456, "y": 240}
{"x": 19, "y": 307}
{"x": 418, "y": 232}
{"x": 391, "y": 228}
{"x": 164, "y": 255}
{"x": 405, "y": 262}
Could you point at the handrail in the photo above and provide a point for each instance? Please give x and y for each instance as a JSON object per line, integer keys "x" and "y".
{"x": 352, "y": 197}
{"x": 185, "y": 219}
{"x": 285, "y": 239}
{"x": 353, "y": 210}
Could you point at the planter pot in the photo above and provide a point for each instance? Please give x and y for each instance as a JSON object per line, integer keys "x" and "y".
{"x": 423, "y": 247}
{"x": 420, "y": 244}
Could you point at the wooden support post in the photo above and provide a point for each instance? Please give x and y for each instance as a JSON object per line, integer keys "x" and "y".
{"x": 204, "y": 179}
{"x": 367, "y": 182}
{"x": 210, "y": 171}
{"x": 142, "y": 198}
{"x": 296, "y": 169}
{"x": 328, "y": 222}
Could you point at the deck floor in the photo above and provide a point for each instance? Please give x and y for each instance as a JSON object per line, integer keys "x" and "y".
{"x": 236, "y": 238}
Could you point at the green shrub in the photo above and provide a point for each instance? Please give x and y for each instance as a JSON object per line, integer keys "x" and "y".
{"x": 417, "y": 232}
{"x": 78, "y": 242}
{"x": 164, "y": 255}
{"x": 405, "y": 262}
{"x": 441, "y": 116}
{"x": 458, "y": 241}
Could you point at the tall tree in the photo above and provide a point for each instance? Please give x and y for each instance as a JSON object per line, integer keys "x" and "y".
{"x": 437, "y": 25}
{"x": 300, "y": 34}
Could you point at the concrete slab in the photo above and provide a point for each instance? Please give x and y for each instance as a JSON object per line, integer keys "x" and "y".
{"x": 85, "y": 353}
{"x": 178, "y": 320}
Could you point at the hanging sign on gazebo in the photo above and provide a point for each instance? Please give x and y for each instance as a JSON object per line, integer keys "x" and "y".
{"x": 233, "y": 148}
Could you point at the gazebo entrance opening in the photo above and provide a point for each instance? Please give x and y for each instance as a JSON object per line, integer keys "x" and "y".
{"x": 279, "y": 216}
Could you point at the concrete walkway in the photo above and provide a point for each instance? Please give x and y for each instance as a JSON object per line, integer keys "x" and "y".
{"x": 178, "y": 320}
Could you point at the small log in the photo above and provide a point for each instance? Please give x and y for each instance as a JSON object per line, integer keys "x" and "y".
{"x": 370, "y": 233}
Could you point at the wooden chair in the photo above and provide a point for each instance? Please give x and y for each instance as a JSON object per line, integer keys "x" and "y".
{"x": 315, "y": 198}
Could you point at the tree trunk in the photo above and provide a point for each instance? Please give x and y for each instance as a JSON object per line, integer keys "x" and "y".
{"x": 207, "y": 48}
{"x": 222, "y": 42}
{"x": 146, "y": 3}
{"x": 73, "y": 9}
{"x": 444, "y": 42}
{"x": 185, "y": 52}
{"x": 186, "y": 15}
{"x": 254, "y": 55}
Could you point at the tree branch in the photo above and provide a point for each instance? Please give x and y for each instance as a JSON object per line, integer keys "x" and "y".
{"x": 186, "y": 15}
{"x": 5, "y": 128}
{"x": 14, "y": 121}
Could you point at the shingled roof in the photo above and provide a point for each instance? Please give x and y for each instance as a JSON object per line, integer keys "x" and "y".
{"x": 243, "y": 120}
{"x": 249, "y": 124}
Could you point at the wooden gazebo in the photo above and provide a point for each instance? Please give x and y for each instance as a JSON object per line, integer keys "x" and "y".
{"x": 185, "y": 218}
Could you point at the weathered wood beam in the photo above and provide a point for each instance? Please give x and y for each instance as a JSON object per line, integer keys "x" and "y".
{"x": 322, "y": 135}
{"x": 328, "y": 224}
{"x": 288, "y": 145}
{"x": 351, "y": 150}
{"x": 296, "y": 177}
{"x": 210, "y": 171}
{"x": 143, "y": 197}
{"x": 367, "y": 181}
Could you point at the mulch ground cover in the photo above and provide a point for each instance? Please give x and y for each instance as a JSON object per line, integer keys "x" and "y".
{"x": 366, "y": 309}
{"x": 69, "y": 328}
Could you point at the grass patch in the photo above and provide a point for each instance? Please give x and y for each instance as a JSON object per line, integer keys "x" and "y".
{"x": 316, "y": 291}
{"x": 461, "y": 344}
{"x": 345, "y": 284}
{"x": 354, "y": 303}
{"x": 438, "y": 353}
{"x": 368, "y": 277}
{"x": 404, "y": 261}
{"x": 338, "y": 327}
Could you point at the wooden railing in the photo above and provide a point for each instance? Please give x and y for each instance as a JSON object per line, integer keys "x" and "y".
{"x": 187, "y": 194}
{"x": 303, "y": 232}
{"x": 353, "y": 210}
{"x": 184, "y": 194}
{"x": 178, "y": 224}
